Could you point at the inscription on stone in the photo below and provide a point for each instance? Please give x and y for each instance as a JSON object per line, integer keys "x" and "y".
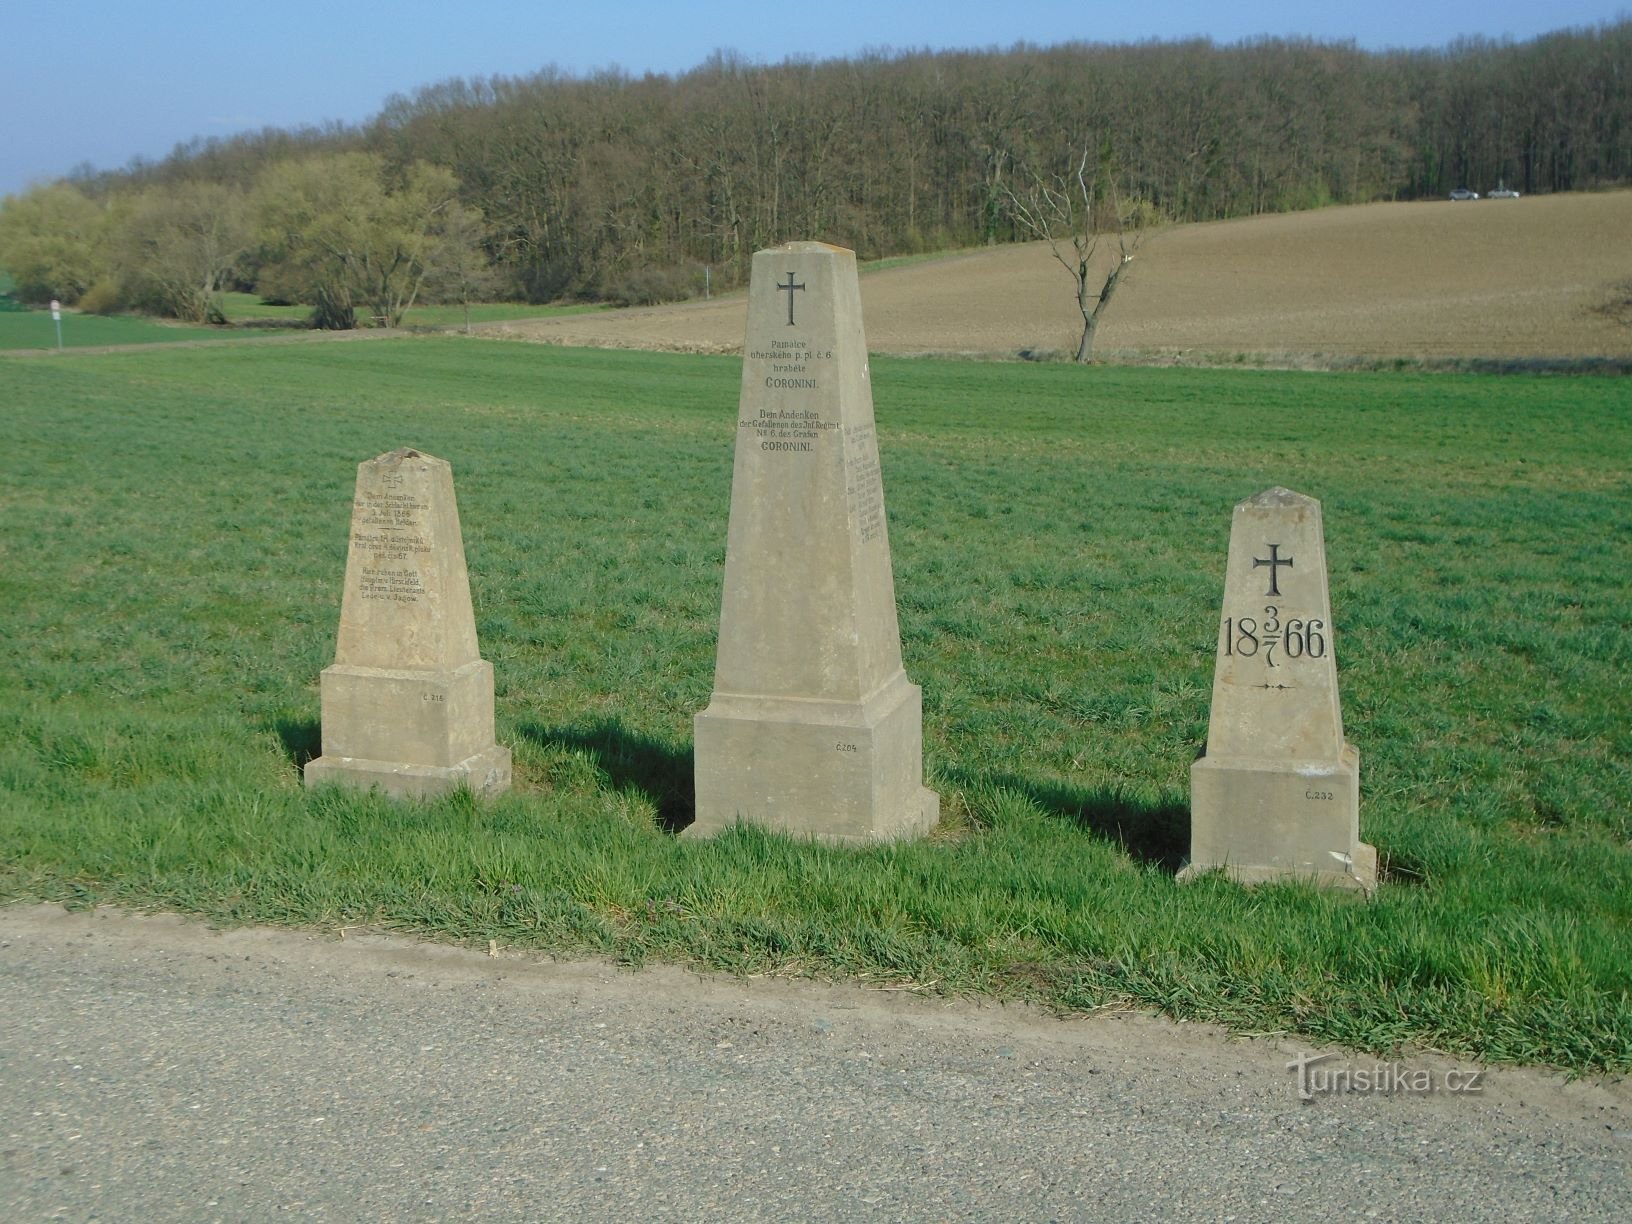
{"x": 390, "y": 527}
{"x": 866, "y": 483}
{"x": 795, "y": 431}
{"x": 1277, "y": 792}
{"x": 813, "y": 726}
{"x": 795, "y": 365}
{"x": 1299, "y": 638}
{"x": 408, "y": 703}
{"x": 399, "y": 586}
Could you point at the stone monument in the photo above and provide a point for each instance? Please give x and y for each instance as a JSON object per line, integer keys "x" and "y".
{"x": 408, "y": 703}
{"x": 1277, "y": 792}
{"x": 813, "y": 727}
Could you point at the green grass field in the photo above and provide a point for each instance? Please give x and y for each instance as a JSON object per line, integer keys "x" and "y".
{"x": 175, "y": 536}
{"x": 34, "y": 329}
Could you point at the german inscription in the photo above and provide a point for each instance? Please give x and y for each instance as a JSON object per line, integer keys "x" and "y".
{"x": 865, "y": 487}
{"x": 386, "y": 528}
{"x": 790, "y": 430}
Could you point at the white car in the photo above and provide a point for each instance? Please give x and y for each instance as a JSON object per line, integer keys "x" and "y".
{"x": 1502, "y": 193}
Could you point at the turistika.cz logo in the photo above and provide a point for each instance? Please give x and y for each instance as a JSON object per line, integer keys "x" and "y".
{"x": 1379, "y": 1079}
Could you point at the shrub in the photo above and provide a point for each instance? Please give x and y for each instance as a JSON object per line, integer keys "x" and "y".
{"x": 105, "y": 297}
{"x": 652, "y": 286}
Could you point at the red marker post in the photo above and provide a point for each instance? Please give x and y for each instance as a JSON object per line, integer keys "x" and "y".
{"x": 56, "y": 317}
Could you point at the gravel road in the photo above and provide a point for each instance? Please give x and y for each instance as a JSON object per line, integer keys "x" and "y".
{"x": 153, "y": 1069}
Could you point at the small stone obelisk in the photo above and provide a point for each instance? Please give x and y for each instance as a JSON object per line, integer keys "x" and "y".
{"x": 1277, "y": 793}
{"x": 408, "y": 703}
{"x": 813, "y": 727}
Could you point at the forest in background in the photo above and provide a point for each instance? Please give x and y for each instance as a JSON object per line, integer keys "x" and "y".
{"x": 624, "y": 188}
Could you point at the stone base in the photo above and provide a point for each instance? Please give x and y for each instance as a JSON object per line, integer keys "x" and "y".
{"x": 410, "y": 732}
{"x": 1259, "y": 821}
{"x": 841, "y": 772}
{"x": 486, "y": 773}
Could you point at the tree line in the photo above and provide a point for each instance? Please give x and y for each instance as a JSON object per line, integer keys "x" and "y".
{"x": 626, "y": 188}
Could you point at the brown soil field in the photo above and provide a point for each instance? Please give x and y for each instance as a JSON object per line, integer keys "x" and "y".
{"x": 1534, "y": 278}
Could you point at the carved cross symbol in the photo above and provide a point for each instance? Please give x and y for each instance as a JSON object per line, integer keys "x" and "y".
{"x": 790, "y": 287}
{"x": 1274, "y": 561}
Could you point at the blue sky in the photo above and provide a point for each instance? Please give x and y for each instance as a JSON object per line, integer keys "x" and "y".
{"x": 102, "y": 81}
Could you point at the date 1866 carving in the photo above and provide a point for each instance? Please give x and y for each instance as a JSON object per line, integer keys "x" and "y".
{"x": 1299, "y": 638}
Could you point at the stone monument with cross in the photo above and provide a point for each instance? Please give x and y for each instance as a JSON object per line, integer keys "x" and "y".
{"x": 408, "y": 702}
{"x": 813, "y": 727}
{"x": 1277, "y": 792}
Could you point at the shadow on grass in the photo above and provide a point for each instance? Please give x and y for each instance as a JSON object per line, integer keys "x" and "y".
{"x": 648, "y": 765}
{"x": 1156, "y": 834}
{"x": 1400, "y": 867}
{"x": 302, "y": 738}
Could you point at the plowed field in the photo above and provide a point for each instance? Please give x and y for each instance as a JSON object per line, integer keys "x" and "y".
{"x": 1527, "y": 278}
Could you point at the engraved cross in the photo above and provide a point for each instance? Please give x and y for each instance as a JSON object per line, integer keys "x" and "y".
{"x": 1274, "y": 561}
{"x": 790, "y": 287}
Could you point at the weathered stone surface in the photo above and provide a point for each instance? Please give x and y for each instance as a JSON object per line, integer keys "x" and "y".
{"x": 813, "y": 727}
{"x": 408, "y": 703}
{"x": 1277, "y": 793}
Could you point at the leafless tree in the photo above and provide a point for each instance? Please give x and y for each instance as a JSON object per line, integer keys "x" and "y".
{"x": 1072, "y": 212}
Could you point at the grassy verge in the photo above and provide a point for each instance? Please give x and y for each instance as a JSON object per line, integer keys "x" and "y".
{"x": 175, "y": 536}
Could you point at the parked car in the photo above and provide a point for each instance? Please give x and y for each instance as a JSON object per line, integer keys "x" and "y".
{"x": 1462, "y": 193}
{"x": 1502, "y": 193}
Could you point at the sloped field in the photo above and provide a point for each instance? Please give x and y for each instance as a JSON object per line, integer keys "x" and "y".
{"x": 1528, "y": 278}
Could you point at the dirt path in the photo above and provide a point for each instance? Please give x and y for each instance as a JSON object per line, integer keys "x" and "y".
{"x": 155, "y": 1069}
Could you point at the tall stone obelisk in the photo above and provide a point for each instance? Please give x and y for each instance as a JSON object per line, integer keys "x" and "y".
{"x": 1277, "y": 793}
{"x": 408, "y": 703}
{"x": 813, "y": 727}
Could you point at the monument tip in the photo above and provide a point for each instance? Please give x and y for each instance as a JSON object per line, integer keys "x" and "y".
{"x": 1278, "y": 496}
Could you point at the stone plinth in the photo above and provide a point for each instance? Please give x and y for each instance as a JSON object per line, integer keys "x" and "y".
{"x": 813, "y": 727}
{"x": 408, "y": 703}
{"x": 1277, "y": 793}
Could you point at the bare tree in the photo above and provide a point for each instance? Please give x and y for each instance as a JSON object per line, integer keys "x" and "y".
{"x": 1072, "y": 213}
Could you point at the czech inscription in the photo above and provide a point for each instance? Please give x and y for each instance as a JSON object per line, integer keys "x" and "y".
{"x": 792, "y": 365}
